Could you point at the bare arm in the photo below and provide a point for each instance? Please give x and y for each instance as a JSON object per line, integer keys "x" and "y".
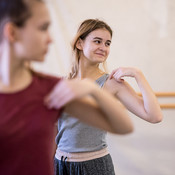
{"x": 99, "y": 108}
{"x": 146, "y": 107}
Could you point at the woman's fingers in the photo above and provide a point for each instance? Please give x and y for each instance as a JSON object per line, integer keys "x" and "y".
{"x": 68, "y": 90}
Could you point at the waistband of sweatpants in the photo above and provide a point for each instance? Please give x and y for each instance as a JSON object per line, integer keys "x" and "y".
{"x": 80, "y": 156}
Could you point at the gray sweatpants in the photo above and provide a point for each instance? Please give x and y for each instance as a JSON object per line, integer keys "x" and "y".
{"x": 99, "y": 166}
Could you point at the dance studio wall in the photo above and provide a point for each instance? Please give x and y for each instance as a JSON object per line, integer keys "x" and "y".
{"x": 144, "y": 37}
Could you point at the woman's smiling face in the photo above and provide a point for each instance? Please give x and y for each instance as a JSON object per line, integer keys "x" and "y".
{"x": 96, "y": 46}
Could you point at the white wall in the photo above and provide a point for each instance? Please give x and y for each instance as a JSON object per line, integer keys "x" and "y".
{"x": 144, "y": 36}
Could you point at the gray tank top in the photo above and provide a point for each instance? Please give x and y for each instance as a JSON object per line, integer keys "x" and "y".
{"x": 75, "y": 136}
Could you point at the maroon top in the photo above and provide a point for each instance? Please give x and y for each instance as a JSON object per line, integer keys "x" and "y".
{"x": 27, "y": 130}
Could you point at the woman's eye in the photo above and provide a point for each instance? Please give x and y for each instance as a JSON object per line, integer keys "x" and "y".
{"x": 108, "y": 44}
{"x": 97, "y": 41}
{"x": 44, "y": 27}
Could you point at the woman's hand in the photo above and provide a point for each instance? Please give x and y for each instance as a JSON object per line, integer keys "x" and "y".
{"x": 67, "y": 90}
{"x": 120, "y": 73}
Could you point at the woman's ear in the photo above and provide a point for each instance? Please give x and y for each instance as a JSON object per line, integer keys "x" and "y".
{"x": 10, "y": 31}
{"x": 79, "y": 44}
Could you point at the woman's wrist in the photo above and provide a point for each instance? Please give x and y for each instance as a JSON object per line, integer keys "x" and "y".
{"x": 138, "y": 74}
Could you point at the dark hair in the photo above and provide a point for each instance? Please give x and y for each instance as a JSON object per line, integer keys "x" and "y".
{"x": 15, "y": 11}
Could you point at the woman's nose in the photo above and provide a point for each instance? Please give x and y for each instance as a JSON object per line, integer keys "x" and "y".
{"x": 103, "y": 47}
{"x": 49, "y": 38}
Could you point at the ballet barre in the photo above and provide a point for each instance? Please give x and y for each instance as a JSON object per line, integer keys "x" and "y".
{"x": 166, "y": 95}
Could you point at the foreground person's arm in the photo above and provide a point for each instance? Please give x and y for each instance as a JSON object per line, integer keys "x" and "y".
{"x": 99, "y": 108}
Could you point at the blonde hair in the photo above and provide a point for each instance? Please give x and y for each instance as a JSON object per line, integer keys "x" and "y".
{"x": 84, "y": 29}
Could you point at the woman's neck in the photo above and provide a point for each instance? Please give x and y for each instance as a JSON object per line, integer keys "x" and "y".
{"x": 14, "y": 75}
{"x": 91, "y": 71}
{"x": 12, "y": 81}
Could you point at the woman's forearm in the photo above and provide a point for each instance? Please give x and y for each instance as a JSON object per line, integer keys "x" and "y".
{"x": 150, "y": 102}
{"x": 116, "y": 115}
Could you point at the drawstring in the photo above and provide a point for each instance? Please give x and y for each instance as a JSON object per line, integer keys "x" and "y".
{"x": 63, "y": 164}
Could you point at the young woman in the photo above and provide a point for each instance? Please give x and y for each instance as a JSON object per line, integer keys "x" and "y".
{"x": 27, "y": 126}
{"x": 82, "y": 149}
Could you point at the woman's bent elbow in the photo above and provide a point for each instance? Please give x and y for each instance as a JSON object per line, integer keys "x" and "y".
{"x": 157, "y": 120}
{"x": 124, "y": 130}
{"x": 128, "y": 130}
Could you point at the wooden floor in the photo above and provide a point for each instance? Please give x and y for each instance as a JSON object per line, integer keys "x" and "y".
{"x": 150, "y": 150}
